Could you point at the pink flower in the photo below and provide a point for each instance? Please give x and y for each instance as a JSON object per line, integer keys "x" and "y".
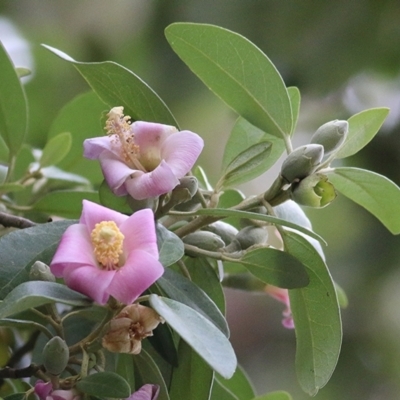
{"x": 109, "y": 254}
{"x": 144, "y": 159}
{"x": 45, "y": 392}
{"x": 282, "y": 295}
{"x": 146, "y": 392}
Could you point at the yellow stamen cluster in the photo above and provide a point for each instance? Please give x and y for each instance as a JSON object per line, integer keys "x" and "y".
{"x": 119, "y": 125}
{"x": 107, "y": 241}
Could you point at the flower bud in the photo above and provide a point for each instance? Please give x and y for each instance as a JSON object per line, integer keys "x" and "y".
{"x": 190, "y": 183}
{"x": 127, "y": 330}
{"x": 41, "y": 272}
{"x": 136, "y": 205}
{"x": 331, "y": 135}
{"x": 224, "y": 230}
{"x": 55, "y": 355}
{"x": 183, "y": 192}
{"x": 204, "y": 240}
{"x": 301, "y": 162}
{"x": 251, "y": 235}
{"x": 314, "y": 191}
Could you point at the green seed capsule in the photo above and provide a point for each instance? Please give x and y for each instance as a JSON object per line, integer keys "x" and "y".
{"x": 41, "y": 272}
{"x": 314, "y": 191}
{"x": 251, "y": 235}
{"x": 55, "y": 355}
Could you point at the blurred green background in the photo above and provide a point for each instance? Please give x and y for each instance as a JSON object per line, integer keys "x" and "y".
{"x": 344, "y": 55}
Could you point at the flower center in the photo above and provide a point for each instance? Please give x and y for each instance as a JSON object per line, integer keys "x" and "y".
{"x": 117, "y": 124}
{"x": 107, "y": 241}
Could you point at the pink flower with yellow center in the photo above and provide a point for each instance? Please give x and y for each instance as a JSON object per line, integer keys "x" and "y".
{"x": 143, "y": 159}
{"x": 109, "y": 254}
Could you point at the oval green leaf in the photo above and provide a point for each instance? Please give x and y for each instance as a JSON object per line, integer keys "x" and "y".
{"x": 237, "y": 71}
{"x": 275, "y": 267}
{"x": 170, "y": 246}
{"x": 316, "y": 317}
{"x": 20, "y": 249}
{"x": 249, "y": 164}
{"x": 13, "y": 107}
{"x": 278, "y": 395}
{"x": 36, "y": 293}
{"x": 105, "y": 384}
{"x": 147, "y": 371}
{"x": 56, "y": 149}
{"x": 376, "y": 193}
{"x": 65, "y": 203}
{"x": 239, "y": 384}
{"x": 362, "y": 128}
{"x": 178, "y": 288}
{"x": 193, "y": 378}
{"x": 117, "y": 86}
{"x": 199, "y": 333}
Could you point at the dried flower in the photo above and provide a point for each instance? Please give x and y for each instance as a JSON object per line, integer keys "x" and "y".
{"x": 127, "y": 330}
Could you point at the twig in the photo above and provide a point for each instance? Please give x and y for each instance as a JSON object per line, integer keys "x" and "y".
{"x": 8, "y": 220}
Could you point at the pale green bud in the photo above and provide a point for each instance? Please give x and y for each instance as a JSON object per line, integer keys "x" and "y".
{"x": 190, "y": 183}
{"x": 55, "y": 355}
{"x": 224, "y": 230}
{"x": 204, "y": 240}
{"x": 331, "y": 135}
{"x": 301, "y": 162}
{"x": 183, "y": 192}
{"x": 250, "y": 236}
{"x": 41, "y": 272}
{"x": 314, "y": 191}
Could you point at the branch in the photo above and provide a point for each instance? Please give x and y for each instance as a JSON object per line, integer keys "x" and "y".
{"x": 8, "y": 220}
{"x": 15, "y": 373}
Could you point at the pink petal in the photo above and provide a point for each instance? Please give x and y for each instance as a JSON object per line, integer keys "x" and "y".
{"x": 146, "y": 392}
{"x": 91, "y": 281}
{"x": 75, "y": 248}
{"x": 43, "y": 389}
{"x": 181, "y": 151}
{"x": 152, "y": 184}
{"x": 150, "y": 134}
{"x": 93, "y": 213}
{"x": 139, "y": 231}
{"x": 92, "y": 148}
{"x": 140, "y": 271}
{"x": 116, "y": 172}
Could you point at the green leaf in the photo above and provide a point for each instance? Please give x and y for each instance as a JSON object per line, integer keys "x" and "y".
{"x": 65, "y": 203}
{"x": 56, "y": 149}
{"x": 278, "y": 395}
{"x": 362, "y": 128}
{"x": 237, "y": 71}
{"x": 261, "y": 217}
{"x": 36, "y": 293}
{"x": 21, "y": 324}
{"x": 295, "y": 100}
{"x": 230, "y": 198}
{"x": 183, "y": 290}
{"x": 13, "y": 107}
{"x": 109, "y": 199}
{"x": 147, "y": 371}
{"x": 193, "y": 378}
{"x": 376, "y": 193}
{"x": 81, "y": 116}
{"x": 117, "y": 86}
{"x": 22, "y": 71}
{"x": 239, "y": 384}
{"x": 170, "y": 246}
{"x": 247, "y": 165}
{"x": 275, "y": 267}
{"x": 203, "y": 274}
{"x": 20, "y": 249}
{"x": 104, "y": 384}
{"x": 316, "y": 317}
{"x": 199, "y": 333}
{"x": 125, "y": 369}
{"x": 221, "y": 392}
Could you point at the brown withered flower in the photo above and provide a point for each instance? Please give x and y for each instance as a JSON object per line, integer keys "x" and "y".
{"x": 126, "y": 331}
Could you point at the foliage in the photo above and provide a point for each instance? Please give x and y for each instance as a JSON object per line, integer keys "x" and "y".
{"x": 199, "y": 229}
